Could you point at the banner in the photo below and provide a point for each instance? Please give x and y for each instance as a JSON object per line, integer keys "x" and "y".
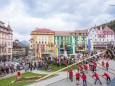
{"x": 92, "y": 45}
{"x": 58, "y": 48}
{"x": 73, "y": 45}
{"x": 89, "y": 45}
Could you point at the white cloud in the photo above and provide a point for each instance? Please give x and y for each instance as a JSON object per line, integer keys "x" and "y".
{"x": 102, "y": 18}
{"x": 59, "y": 16}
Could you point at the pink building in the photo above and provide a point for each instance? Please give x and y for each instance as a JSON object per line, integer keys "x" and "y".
{"x": 5, "y": 42}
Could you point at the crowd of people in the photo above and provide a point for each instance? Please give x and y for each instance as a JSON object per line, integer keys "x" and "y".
{"x": 44, "y": 63}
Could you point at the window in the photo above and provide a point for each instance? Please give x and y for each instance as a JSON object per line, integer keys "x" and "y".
{"x": 83, "y": 38}
{"x": 8, "y": 43}
{"x": 2, "y": 42}
{"x": 9, "y": 50}
{"x": 76, "y": 38}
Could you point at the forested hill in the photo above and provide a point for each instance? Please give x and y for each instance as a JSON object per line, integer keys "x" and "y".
{"x": 110, "y": 24}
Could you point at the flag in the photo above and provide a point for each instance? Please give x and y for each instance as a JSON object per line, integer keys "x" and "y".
{"x": 56, "y": 52}
{"x": 58, "y": 48}
{"x": 89, "y": 45}
{"x": 92, "y": 45}
{"x": 73, "y": 45}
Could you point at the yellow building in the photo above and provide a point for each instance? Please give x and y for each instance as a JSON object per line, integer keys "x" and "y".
{"x": 43, "y": 41}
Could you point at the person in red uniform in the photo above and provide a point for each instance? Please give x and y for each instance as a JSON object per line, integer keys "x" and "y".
{"x": 81, "y": 68}
{"x": 107, "y": 65}
{"x": 92, "y": 67}
{"x": 108, "y": 79}
{"x": 96, "y": 78}
{"x": 77, "y": 78}
{"x": 103, "y": 64}
{"x": 98, "y": 57}
{"x": 18, "y": 73}
{"x": 94, "y": 64}
{"x": 84, "y": 78}
{"x": 70, "y": 74}
{"x": 85, "y": 67}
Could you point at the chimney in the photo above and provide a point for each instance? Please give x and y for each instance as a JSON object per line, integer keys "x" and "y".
{"x": 100, "y": 27}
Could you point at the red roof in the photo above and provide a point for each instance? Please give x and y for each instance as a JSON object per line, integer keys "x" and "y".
{"x": 99, "y": 32}
{"x": 108, "y": 31}
{"x": 62, "y": 33}
{"x": 42, "y": 30}
{"x": 81, "y": 31}
{"x": 31, "y": 39}
{"x": 16, "y": 46}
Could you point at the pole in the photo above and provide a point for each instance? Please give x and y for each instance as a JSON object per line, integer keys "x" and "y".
{"x": 58, "y": 48}
{"x": 67, "y": 74}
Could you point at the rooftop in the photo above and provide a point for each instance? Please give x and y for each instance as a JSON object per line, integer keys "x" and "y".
{"x": 42, "y": 30}
{"x": 62, "y": 33}
{"x": 81, "y": 31}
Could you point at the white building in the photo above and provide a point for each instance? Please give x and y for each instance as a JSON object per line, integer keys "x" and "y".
{"x": 101, "y": 37}
{"x": 93, "y": 34}
{"x": 5, "y": 42}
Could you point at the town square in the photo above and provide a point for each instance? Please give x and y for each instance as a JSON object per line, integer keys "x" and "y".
{"x": 57, "y": 43}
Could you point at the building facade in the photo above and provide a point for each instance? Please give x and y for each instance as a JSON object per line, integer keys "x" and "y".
{"x": 43, "y": 41}
{"x": 17, "y": 51}
{"x": 5, "y": 42}
{"x": 80, "y": 39}
{"x": 102, "y": 37}
{"x": 63, "y": 39}
{"x": 20, "y": 50}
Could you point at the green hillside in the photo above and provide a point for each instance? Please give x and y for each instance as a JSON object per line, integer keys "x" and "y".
{"x": 110, "y": 24}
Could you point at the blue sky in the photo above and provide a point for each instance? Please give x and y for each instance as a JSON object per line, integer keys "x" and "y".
{"x": 25, "y": 15}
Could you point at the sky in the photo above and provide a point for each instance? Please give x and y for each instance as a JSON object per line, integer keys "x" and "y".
{"x": 67, "y": 15}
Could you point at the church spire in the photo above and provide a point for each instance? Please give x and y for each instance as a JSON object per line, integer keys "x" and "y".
{"x": 8, "y": 27}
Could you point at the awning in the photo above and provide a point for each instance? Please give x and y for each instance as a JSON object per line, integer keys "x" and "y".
{"x": 99, "y": 46}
